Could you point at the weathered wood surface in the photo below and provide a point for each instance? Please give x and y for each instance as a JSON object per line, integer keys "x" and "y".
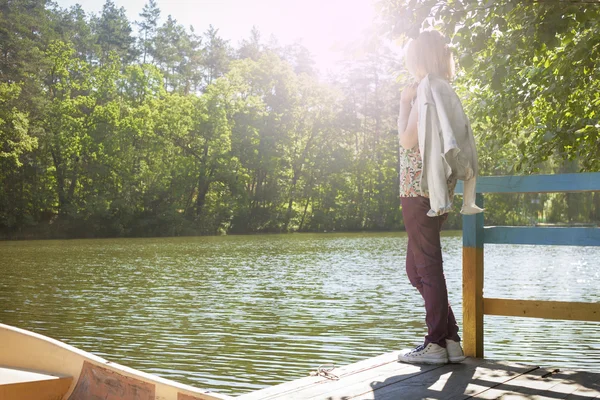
{"x": 473, "y": 272}
{"x": 572, "y": 311}
{"x": 548, "y": 384}
{"x": 579, "y": 182}
{"x": 17, "y": 384}
{"x": 550, "y": 236}
{"x": 384, "y": 378}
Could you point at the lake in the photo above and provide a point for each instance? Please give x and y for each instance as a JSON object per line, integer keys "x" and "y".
{"x": 235, "y": 314}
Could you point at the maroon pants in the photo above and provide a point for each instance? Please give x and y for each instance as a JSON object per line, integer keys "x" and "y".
{"x": 424, "y": 268}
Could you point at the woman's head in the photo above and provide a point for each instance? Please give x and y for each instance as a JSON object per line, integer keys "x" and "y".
{"x": 429, "y": 54}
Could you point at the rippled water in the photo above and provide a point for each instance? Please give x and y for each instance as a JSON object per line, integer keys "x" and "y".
{"x": 238, "y": 313}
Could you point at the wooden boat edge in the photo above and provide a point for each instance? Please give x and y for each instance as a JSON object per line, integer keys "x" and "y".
{"x": 26, "y": 350}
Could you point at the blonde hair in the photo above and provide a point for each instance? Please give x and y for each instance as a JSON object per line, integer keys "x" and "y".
{"x": 429, "y": 54}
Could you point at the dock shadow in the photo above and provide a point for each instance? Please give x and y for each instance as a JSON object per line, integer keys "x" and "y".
{"x": 424, "y": 384}
{"x": 464, "y": 381}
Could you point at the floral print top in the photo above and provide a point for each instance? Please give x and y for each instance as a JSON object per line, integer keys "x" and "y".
{"x": 411, "y": 167}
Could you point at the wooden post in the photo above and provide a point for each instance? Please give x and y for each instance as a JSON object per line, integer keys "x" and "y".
{"x": 473, "y": 282}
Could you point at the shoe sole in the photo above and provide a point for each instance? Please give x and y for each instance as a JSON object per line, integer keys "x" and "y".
{"x": 420, "y": 360}
{"x": 456, "y": 360}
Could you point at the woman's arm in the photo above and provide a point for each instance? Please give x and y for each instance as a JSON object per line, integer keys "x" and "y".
{"x": 407, "y": 125}
{"x": 407, "y": 118}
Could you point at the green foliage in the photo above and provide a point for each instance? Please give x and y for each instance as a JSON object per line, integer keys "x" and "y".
{"x": 148, "y": 26}
{"x": 15, "y": 144}
{"x": 181, "y": 134}
{"x": 529, "y": 76}
{"x": 14, "y": 128}
{"x": 112, "y": 31}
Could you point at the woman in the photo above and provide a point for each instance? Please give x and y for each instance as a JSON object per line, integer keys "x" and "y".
{"x": 429, "y": 57}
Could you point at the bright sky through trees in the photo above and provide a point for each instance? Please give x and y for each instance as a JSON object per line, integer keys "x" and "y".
{"x": 325, "y": 27}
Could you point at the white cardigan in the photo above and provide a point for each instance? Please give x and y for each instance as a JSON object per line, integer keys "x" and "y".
{"x": 446, "y": 144}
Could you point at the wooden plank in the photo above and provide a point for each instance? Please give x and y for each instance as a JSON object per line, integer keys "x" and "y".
{"x": 589, "y": 385}
{"x": 383, "y": 378}
{"x": 473, "y": 283}
{"x": 12, "y": 375}
{"x": 544, "y": 384}
{"x": 32, "y": 385}
{"x": 542, "y": 235}
{"x": 39, "y": 390}
{"x": 473, "y": 227}
{"x": 452, "y": 381}
{"x": 389, "y": 387}
{"x": 525, "y": 386}
{"x": 365, "y": 382}
{"x": 543, "y": 309}
{"x": 473, "y": 302}
{"x": 579, "y": 182}
{"x": 98, "y": 382}
{"x": 302, "y": 384}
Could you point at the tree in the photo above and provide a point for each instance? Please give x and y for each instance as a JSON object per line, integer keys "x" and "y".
{"x": 217, "y": 56}
{"x": 148, "y": 26}
{"x": 65, "y": 122}
{"x": 529, "y": 77}
{"x": 73, "y": 26}
{"x": 113, "y": 33}
{"x": 251, "y": 47}
{"x": 300, "y": 58}
{"x": 203, "y": 138}
{"x": 178, "y": 55}
{"x": 15, "y": 143}
{"x": 14, "y": 124}
{"x": 25, "y": 27}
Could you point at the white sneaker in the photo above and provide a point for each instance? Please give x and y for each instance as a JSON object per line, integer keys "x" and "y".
{"x": 430, "y": 354}
{"x": 455, "y": 351}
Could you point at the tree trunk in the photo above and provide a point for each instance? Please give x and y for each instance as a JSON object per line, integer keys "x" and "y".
{"x": 304, "y": 214}
{"x": 203, "y": 186}
{"x": 288, "y": 215}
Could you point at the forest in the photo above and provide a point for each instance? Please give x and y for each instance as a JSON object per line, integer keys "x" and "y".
{"x": 119, "y": 128}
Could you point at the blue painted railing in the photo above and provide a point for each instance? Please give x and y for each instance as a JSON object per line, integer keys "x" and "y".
{"x": 475, "y": 235}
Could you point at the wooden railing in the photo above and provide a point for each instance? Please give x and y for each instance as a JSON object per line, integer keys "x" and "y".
{"x": 475, "y": 234}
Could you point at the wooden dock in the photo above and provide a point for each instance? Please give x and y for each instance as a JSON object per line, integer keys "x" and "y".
{"x": 384, "y": 378}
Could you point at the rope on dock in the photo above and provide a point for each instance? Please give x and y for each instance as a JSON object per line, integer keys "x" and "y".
{"x": 548, "y": 374}
{"x": 325, "y": 371}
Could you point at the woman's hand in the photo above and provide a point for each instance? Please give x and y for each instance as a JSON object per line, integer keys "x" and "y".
{"x": 409, "y": 93}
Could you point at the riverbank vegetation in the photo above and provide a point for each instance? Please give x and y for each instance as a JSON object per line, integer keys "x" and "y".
{"x": 110, "y": 127}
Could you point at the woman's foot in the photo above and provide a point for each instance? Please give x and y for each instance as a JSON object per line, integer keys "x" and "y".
{"x": 425, "y": 354}
{"x": 455, "y": 351}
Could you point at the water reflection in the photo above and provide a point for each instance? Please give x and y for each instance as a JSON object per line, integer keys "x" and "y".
{"x": 235, "y": 314}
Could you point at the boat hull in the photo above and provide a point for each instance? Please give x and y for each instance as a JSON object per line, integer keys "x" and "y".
{"x": 92, "y": 377}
